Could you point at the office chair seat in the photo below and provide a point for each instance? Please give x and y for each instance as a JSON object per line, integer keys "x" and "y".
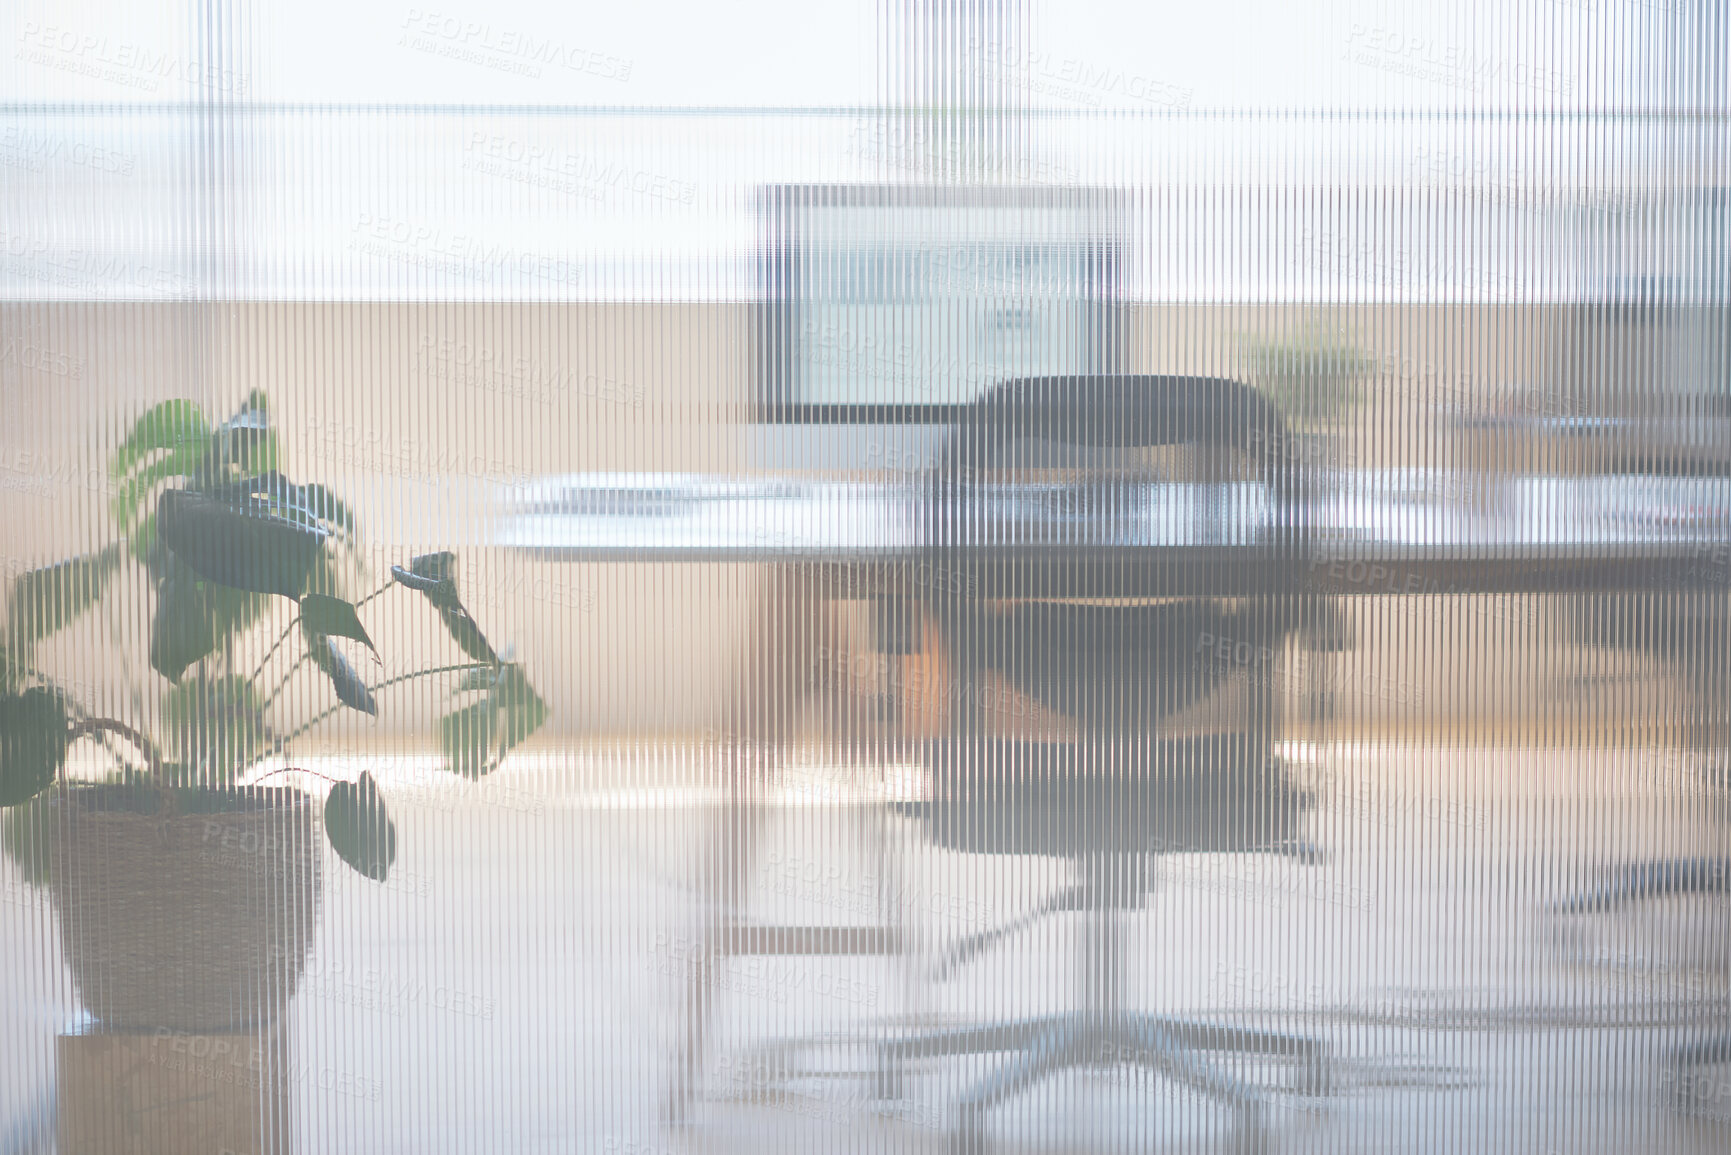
{"x": 1119, "y": 793}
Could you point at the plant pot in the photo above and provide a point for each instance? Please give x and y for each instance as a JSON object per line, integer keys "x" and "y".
{"x": 1316, "y": 397}
{"x": 200, "y": 922}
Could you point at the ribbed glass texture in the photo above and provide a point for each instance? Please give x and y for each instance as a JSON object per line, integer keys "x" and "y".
{"x": 898, "y": 575}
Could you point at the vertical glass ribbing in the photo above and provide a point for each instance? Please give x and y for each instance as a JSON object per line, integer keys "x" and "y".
{"x": 906, "y": 575}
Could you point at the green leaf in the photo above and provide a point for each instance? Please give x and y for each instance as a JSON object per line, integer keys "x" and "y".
{"x": 217, "y": 726}
{"x": 129, "y": 500}
{"x": 239, "y": 544}
{"x": 263, "y": 457}
{"x": 236, "y": 439}
{"x": 439, "y": 567}
{"x": 333, "y": 617}
{"x": 195, "y": 618}
{"x": 44, "y": 600}
{"x": 195, "y": 453}
{"x": 478, "y": 680}
{"x": 509, "y": 714}
{"x": 419, "y": 584}
{"x": 467, "y": 738}
{"x": 303, "y": 509}
{"x": 181, "y": 632}
{"x": 170, "y": 425}
{"x": 147, "y": 549}
{"x": 434, "y": 574}
{"x": 1314, "y": 374}
{"x": 521, "y": 706}
{"x": 359, "y": 829}
{"x": 466, "y": 633}
{"x": 326, "y": 508}
{"x": 33, "y": 740}
{"x": 246, "y": 441}
{"x": 351, "y": 691}
{"x": 28, "y": 833}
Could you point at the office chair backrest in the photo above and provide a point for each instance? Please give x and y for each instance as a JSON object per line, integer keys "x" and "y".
{"x": 1116, "y": 670}
{"x": 1124, "y": 412}
{"x": 1112, "y": 668}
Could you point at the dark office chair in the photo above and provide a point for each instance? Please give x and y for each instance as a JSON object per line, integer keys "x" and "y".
{"x": 1119, "y": 794}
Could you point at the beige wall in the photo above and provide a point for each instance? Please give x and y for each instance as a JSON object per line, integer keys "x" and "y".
{"x": 415, "y": 410}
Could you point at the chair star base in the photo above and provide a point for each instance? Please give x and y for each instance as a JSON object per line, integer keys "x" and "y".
{"x": 1051, "y": 1044}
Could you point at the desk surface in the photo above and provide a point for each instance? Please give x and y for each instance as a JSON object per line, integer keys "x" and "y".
{"x": 1417, "y": 531}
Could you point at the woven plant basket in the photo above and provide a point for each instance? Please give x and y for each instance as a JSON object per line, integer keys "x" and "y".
{"x": 200, "y": 922}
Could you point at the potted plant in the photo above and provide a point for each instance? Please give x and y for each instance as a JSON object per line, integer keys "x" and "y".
{"x": 1315, "y": 375}
{"x": 186, "y": 897}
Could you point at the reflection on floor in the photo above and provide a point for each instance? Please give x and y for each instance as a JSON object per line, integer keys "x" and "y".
{"x": 524, "y": 979}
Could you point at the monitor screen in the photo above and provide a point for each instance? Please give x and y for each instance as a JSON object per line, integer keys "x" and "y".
{"x": 907, "y": 300}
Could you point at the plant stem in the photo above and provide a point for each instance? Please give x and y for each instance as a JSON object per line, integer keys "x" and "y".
{"x": 277, "y": 645}
{"x": 299, "y": 662}
{"x": 294, "y": 621}
{"x": 382, "y": 589}
{"x": 110, "y": 726}
{"x": 282, "y": 743}
{"x": 293, "y": 770}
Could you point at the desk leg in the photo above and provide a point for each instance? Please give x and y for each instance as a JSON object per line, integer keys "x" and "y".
{"x": 779, "y": 676}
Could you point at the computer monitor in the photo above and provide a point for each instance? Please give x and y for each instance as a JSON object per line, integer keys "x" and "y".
{"x": 894, "y": 304}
